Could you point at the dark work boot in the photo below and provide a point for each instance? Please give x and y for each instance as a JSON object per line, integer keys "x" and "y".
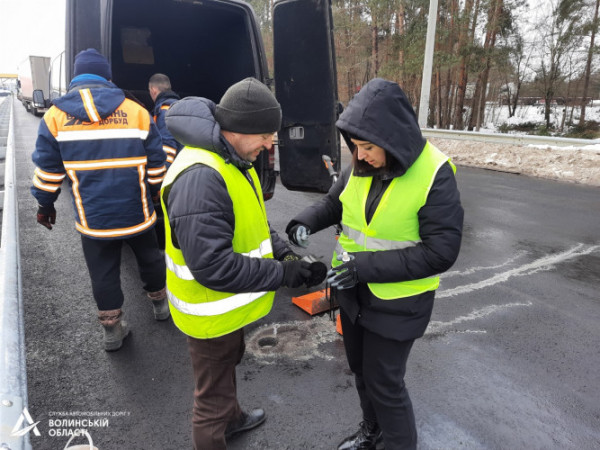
{"x": 115, "y": 329}
{"x": 246, "y": 422}
{"x": 160, "y": 304}
{"x": 368, "y": 437}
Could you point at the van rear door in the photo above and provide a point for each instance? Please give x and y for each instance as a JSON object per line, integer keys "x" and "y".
{"x": 82, "y": 28}
{"x": 306, "y": 88}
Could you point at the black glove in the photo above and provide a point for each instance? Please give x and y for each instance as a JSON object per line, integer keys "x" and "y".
{"x": 46, "y": 216}
{"x": 295, "y": 273}
{"x": 318, "y": 271}
{"x": 298, "y": 235}
{"x": 345, "y": 275}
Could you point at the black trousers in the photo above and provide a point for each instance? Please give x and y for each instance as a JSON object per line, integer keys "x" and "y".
{"x": 103, "y": 259}
{"x": 159, "y": 227}
{"x": 379, "y": 365}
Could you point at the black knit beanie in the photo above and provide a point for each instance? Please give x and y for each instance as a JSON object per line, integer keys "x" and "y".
{"x": 90, "y": 61}
{"x": 249, "y": 107}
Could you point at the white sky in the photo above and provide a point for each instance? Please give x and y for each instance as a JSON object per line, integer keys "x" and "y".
{"x": 30, "y": 27}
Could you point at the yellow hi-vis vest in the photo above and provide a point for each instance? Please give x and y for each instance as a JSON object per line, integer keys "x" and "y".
{"x": 198, "y": 311}
{"x": 395, "y": 223}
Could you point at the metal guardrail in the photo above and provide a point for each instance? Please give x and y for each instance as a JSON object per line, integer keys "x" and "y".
{"x": 512, "y": 139}
{"x": 13, "y": 379}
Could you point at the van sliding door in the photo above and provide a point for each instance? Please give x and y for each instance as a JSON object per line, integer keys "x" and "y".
{"x": 306, "y": 88}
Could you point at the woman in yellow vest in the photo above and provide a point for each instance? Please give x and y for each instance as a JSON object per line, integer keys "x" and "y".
{"x": 401, "y": 217}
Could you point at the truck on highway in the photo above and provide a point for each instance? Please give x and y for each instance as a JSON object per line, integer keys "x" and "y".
{"x": 33, "y": 84}
{"x": 206, "y": 46}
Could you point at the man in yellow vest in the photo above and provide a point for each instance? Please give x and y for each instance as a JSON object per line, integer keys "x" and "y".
{"x": 223, "y": 260}
{"x": 401, "y": 217}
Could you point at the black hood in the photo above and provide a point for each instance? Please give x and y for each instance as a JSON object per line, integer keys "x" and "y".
{"x": 192, "y": 123}
{"x": 381, "y": 114}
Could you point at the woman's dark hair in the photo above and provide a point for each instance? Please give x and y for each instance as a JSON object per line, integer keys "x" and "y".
{"x": 366, "y": 169}
{"x": 362, "y": 167}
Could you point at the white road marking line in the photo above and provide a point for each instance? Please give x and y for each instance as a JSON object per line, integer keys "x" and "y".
{"x": 437, "y": 326}
{"x": 473, "y": 270}
{"x": 542, "y": 264}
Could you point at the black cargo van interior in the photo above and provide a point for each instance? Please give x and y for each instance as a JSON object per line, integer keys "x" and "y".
{"x": 204, "y": 47}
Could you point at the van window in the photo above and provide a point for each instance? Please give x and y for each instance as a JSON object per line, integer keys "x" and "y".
{"x": 135, "y": 43}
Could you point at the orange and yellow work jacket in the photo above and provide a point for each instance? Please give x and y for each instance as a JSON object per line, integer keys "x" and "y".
{"x": 109, "y": 149}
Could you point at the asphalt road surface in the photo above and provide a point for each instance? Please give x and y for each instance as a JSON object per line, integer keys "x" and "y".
{"x": 510, "y": 360}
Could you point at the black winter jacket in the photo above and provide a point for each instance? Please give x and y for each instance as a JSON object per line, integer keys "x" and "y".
{"x": 200, "y": 210}
{"x": 381, "y": 114}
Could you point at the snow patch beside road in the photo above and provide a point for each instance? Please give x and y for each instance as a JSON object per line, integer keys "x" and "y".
{"x": 556, "y": 163}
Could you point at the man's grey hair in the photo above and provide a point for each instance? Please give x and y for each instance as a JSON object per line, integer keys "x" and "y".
{"x": 160, "y": 81}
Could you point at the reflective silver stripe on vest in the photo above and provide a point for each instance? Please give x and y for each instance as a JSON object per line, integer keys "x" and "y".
{"x": 184, "y": 273}
{"x": 181, "y": 272}
{"x": 216, "y": 307}
{"x": 372, "y": 243}
{"x": 264, "y": 249}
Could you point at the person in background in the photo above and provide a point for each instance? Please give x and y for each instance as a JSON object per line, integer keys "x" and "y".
{"x": 109, "y": 149}
{"x": 401, "y": 219}
{"x": 159, "y": 87}
{"x": 223, "y": 260}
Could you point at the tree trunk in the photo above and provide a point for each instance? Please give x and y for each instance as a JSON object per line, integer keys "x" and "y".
{"x": 477, "y": 88}
{"x": 351, "y": 72}
{"x": 400, "y": 26}
{"x": 448, "y": 94}
{"x": 375, "y": 47}
{"x": 463, "y": 41}
{"x": 438, "y": 94}
{"x": 588, "y": 66}
{"x": 547, "y": 100}
{"x": 515, "y": 99}
{"x": 489, "y": 45}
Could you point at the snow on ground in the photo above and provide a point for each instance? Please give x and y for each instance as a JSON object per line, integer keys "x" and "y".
{"x": 496, "y": 115}
{"x": 577, "y": 165}
{"x": 572, "y": 164}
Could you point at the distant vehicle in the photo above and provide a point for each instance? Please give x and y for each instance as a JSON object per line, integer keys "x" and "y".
{"x": 209, "y": 45}
{"x": 4, "y": 93}
{"x": 33, "y": 84}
